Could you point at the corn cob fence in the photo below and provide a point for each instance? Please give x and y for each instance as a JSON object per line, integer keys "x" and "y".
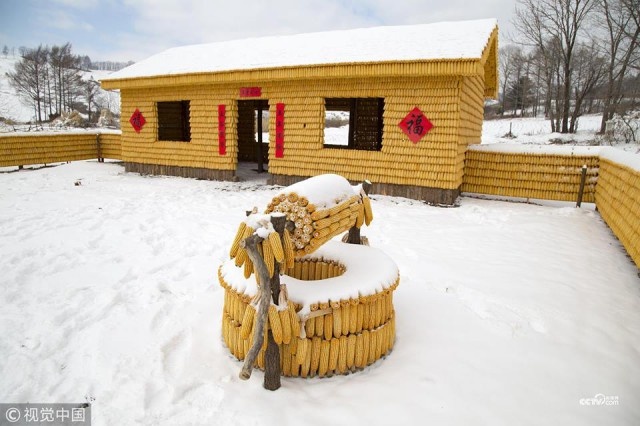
{"x": 22, "y": 149}
{"x": 553, "y": 173}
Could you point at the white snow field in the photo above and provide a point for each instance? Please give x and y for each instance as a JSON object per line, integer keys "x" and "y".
{"x": 506, "y": 313}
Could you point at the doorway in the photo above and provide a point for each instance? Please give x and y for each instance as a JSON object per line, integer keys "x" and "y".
{"x": 253, "y": 133}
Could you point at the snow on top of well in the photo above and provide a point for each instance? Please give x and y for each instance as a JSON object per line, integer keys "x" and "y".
{"x": 443, "y": 40}
{"x": 323, "y": 191}
{"x": 368, "y": 271}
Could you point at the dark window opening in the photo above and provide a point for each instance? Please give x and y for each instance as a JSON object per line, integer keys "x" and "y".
{"x": 354, "y": 123}
{"x": 173, "y": 121}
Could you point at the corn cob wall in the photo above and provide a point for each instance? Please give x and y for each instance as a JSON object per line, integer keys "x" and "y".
{"x": 526, "y": 175}
{"x": 618, "y": 201}
{"x": 436, "y": 161}
{"x": 202, "y": 151}
{"x": 25, "y": 149}
{"x": 110, "y": 146}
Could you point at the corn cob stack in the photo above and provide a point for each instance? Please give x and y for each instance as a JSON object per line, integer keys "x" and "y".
{"x": 274, "y": 250}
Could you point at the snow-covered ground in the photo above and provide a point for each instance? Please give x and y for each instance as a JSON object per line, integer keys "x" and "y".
{"x": 506, "y": 314}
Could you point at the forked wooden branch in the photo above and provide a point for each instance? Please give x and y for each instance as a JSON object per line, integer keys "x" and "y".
{"x": 250, "y": 244}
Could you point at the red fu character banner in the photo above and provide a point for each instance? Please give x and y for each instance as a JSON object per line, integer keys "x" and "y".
{"x": 137, "y": 120}
{"x": 280, "y": 130}
{"x": 222, "y": 130}
{"x": 415, "y": 125}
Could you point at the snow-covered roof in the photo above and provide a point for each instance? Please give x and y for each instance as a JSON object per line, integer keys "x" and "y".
{"x": 425, "y": 42}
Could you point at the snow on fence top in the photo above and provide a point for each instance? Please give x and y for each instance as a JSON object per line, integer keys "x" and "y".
{"x": 579, "y": 151}
{"x": 610, "y": 153}
{"x": 425, "y": 42}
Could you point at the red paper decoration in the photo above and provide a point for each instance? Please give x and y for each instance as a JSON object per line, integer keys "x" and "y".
{"x": 415, "y": 125}
{"x": 250, "y": 92}
{"x": 137, "y": 120}
{"x": 222, "y": 130}
{"x": 279, "y": 130}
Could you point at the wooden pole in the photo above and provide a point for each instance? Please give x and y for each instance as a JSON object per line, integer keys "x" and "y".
{"x": 272, "y": 371}
{"x": 354, "y": 231}
{"x": 99, "y": 148}
{"x": 583, "y": 178}
{"x": 259, "y": 119}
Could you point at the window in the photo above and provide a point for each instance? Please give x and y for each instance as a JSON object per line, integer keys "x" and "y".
{"x": 173, "y": 121}
{"x": 353, "y": 123}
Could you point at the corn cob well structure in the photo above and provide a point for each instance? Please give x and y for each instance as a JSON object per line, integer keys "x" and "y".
{"x": 335, "y": 312}
{"x": 447, "y": 88}
{"x": 328, "y": 326}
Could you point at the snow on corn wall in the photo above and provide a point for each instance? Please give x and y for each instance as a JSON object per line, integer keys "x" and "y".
{"x": 20, "y": 149}
{"x": 531, "y": 171}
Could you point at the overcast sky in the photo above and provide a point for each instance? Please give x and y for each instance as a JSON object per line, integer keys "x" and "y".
{"x": 122, "y": 30}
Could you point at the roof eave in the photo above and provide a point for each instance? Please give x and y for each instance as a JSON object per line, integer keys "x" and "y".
{"x": 439, "y": 68}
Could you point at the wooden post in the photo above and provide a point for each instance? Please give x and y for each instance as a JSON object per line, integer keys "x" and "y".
{"x": 354, "y": 231}
{"x": 259, "y": 119}
{"x": 272, "y": 369}
{"x": 99, "y": 148}
{"x": 583, "y": 178}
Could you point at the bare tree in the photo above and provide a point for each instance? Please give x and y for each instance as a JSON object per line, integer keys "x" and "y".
{"x": 554, "y": 27}
{"x": 620, "y": 21}
{"x": 5, "y": 50}
{"x": 28, "y": 78}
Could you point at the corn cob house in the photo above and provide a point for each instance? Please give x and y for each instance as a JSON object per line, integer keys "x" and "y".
{"x": 413, "y": 96}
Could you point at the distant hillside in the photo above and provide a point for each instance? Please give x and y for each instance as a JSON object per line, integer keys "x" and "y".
{"x": 13, "y": 108}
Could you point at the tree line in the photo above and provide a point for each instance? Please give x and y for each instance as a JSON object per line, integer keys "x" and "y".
{"x": 50, "y": 80}
{"x": 571, "y": 57}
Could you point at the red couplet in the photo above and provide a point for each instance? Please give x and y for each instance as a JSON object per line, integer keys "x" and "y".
{"x": 280, "y": 130}
{"x": 222, "y": 130}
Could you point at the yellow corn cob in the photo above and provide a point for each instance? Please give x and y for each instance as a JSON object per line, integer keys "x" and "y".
{"x": 267, "y": 255}
{"x": 373, "y": 344}
{"x": 365, "y": 348}
{"x": 294, "y": 320}
{"x": 334, "y": 353}
{"x": 360, "y": 218}
{"x": 248, "y": 268}
{"x": 285, "y": 320}
{"x": 351, "y": 350}
{"x": 306, "y": 365}
{"x": 301, "y": 351}
{"x": 316, "y": 353}
{"x": 323, "y": 366}
{"x": 274, "y": 323}
{"x": 247, "y": 322}
{"x": 337, "y": 319}
{"x": 368, "y": 213}
{"x": 276, "y": 246}
{"x": 288, "y": 248}
{"x": 236, "y": 241}
{"x": 342, "y": 354}
{"x": 328, "y": 326}
{"x": 285, "y": 360}
{"x": 241, "y": 257}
